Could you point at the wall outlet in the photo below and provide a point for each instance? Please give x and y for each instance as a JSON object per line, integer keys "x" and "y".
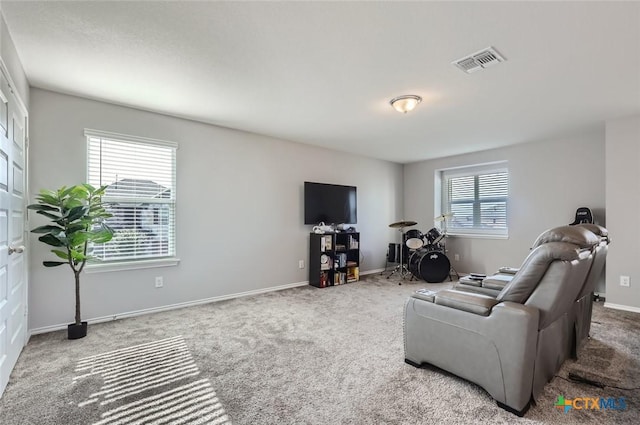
{"x": 456, "y": 257}
{"x": 159, "y": 282}
{"x": 624, "y": 280}
{"x": 301, "y": 264}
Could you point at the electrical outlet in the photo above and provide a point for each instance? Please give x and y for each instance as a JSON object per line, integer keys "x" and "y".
{"x": 624, "y": 280}
{"x": 159, "y": 282}
{"x": 301, "y": 264}
{"x": 456, "y": 257}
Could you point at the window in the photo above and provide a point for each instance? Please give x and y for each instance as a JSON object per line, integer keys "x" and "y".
{"x": 140, "y": 175}
{"x": 477, "y": 198}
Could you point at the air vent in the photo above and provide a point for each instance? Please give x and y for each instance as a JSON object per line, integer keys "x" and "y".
{"x": 479, "y": 60}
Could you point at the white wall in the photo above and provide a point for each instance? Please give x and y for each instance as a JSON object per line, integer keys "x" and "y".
{"x": 239, "y": 213}
{"x": 623, "y": 211}
{"x": 12, "y": 62}
{"x": 548, "y": 181}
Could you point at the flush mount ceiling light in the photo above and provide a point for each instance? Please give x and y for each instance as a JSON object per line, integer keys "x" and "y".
{"x": 405, "y": 103}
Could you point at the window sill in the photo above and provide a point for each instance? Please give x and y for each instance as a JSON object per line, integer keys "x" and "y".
{"x": 476, "y": 236}
{"x": 131, "y": 265}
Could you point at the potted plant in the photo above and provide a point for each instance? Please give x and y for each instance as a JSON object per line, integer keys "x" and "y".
{"x": 77, "y": 219}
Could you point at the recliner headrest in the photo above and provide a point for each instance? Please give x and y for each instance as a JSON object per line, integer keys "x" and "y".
{"x": 535, "y": 266}
{"x": 596, "y": 229}
{"x": 577, "y": 235}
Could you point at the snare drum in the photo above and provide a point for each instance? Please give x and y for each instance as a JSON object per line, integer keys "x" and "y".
{"x": 414, "y": 239}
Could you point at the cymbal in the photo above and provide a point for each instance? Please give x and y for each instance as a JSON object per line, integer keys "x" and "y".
{"x": 400, "y": 224}
{"x": 443, "y": 217}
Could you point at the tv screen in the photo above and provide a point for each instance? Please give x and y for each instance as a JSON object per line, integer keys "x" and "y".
{"x": 329, "y": 203}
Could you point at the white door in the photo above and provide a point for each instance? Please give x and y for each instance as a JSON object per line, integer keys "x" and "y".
{"x": 13, "y": 291}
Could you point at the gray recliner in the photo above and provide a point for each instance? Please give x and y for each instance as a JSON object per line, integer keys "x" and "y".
{"x": 512, "y": 344}
{"x": 583, "y": 306}
{"x": 493, "y": 284}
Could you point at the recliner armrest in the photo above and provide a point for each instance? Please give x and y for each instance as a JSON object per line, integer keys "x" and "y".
{"x": 508, "y": 270}
{"x": 465, "y": 301}
{"x": 497, "y": 281}
{"x": 425, "y": 295}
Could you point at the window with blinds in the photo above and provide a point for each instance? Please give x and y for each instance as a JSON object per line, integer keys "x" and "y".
{"x": 140, "y": 175}
{"x": 477, "y": 198}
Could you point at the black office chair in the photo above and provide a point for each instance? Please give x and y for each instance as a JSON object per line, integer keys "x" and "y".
{"x": 583, "y": 215}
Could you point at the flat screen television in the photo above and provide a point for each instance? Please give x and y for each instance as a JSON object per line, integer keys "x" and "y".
{"x": 329, "y": 203}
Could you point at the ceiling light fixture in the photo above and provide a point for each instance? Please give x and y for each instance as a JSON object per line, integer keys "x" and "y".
{"x": 405, "y": 103}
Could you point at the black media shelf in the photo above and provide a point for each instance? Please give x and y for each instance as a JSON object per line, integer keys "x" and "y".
{"x": 334, "y": 258}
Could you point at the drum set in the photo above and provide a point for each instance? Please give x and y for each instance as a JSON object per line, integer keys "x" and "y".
{"x": 421, "y": 255}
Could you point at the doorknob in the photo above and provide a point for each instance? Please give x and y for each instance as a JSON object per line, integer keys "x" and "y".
{"x": 19, "y": 249}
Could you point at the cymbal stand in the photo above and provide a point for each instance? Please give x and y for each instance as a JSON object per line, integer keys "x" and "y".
{"x": 401, "y": 268}
{"x": 452, "y": 270}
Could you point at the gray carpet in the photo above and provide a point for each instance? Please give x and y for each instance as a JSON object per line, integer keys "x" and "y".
{"x": 299, "y": 356}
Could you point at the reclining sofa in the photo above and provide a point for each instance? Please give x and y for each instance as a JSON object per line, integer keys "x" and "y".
{"x": 583, "y": 307}
{"x": 513, "y": 343}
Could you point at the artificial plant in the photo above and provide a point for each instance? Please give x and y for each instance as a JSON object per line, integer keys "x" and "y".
{"x": 77, "y": 220}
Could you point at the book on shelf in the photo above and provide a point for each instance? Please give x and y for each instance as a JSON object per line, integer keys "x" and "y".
{"x": 324, "y": 279}
{"x": 352, "y": 242}
{"x": 341, "y": 247}
{"x": 326, "y": 243}
{"x": 353, "y": 274}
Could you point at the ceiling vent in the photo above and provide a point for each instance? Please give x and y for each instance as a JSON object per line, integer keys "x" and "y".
{"x": 479, "y": 60}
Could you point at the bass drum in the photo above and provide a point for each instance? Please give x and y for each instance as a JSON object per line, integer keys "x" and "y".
{"x": 431, "y": 266}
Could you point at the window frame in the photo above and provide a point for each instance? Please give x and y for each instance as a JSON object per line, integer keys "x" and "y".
{"x": 171, "y": 259}
{"x": 443, "y": 205}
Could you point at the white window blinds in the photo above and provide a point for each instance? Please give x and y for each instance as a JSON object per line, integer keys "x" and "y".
{"x": 140, "y": 175}
{"x": 477, "y": 197}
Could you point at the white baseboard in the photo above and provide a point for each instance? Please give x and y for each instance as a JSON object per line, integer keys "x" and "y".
{"x": 59, "y": 327}
{"x": 371, "y": 272}
{"x": 621, "y": 307}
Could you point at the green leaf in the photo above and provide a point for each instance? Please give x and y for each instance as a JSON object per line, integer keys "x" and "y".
{"x": 48, "y": 193}
{"x": 53, "y": 263}
{"x": 101, "y": 236}
{"x": 77, "y": 256}
{"x": 48, "y": 229}
{"x": 49, "y": 215}
{"x": 76, "y": 213}
{"x": 76, "y": 227}
{"x": 78, "y": 238}
{"x": 70, "y": 203}
{"x": 49, "y": 200}
{"x": 40, "y": 207}
{"x": 82, "y": 188}
{"x": 64, "y": 191}
{"x": 89, "y": 188}
{"x": 52, "y": 240}
{"x": 61, "y": 254}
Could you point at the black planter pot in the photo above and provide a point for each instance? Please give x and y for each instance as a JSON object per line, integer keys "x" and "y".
{"x": 77, "y": 331}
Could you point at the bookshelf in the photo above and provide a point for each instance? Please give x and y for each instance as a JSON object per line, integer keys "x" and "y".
{"x": 334, "y": 259}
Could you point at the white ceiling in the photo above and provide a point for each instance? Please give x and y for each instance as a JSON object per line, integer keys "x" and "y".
{"x": 322, "y": 73}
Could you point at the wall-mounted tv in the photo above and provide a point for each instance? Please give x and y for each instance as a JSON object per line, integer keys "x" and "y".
{"x": 329, "y": 203}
